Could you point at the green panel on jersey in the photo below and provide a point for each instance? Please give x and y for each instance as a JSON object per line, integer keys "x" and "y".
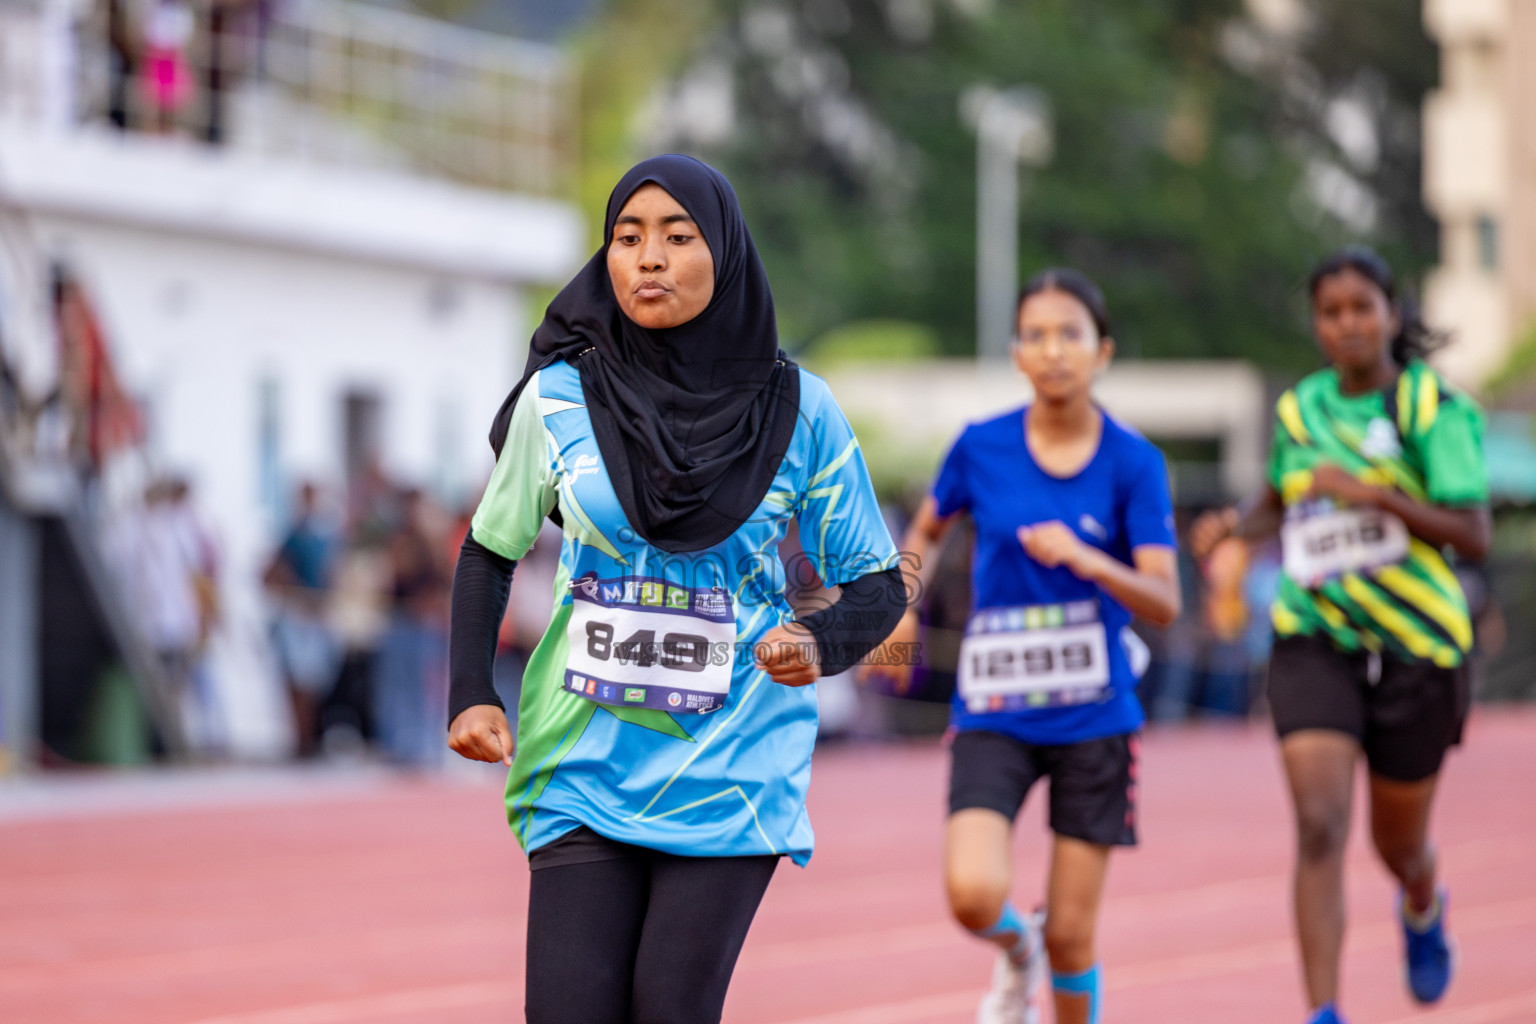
{"x": 649, "y": 718}
{"x": 521, "y": 490}
{"x": 549, "y": 721}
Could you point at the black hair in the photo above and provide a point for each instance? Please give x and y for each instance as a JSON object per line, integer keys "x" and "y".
{"x": 1415, "y": 339}
{"x": 59, "y": 280}
{"x": 1076, "y": 284}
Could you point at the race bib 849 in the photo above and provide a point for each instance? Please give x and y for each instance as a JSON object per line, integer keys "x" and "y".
{"x": 641, "y": 642}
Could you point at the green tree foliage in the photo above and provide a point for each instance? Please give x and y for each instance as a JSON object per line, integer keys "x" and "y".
{"x": 1194, "y": 174}
{"x": 1375, "y": 55}
{"x": 624, "y": 57}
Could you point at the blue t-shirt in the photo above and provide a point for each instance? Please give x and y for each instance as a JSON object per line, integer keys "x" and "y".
{"x": 638, "y": 636}
{"x": 310, "y": 553}
{"x": 1118, "y": 502}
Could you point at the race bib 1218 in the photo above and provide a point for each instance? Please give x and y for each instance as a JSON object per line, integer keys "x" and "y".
{"x": 1320, "y": 542}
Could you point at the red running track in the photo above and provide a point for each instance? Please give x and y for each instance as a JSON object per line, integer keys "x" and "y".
{"x": 333, "y": 898}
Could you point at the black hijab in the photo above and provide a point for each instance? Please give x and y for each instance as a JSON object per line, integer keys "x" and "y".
{"x": 692, "y": 421}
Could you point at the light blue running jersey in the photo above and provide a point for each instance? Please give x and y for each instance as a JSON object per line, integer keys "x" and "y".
{"x": 643, "y": 715}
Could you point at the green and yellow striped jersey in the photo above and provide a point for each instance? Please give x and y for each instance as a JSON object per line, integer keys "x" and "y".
{"x": 1426, "y": 440}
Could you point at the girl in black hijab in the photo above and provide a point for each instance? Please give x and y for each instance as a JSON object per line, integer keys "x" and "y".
{"x": 665, "y": 725}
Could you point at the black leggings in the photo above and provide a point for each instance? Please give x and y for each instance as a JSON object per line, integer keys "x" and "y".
{"x": 639, "y": 937}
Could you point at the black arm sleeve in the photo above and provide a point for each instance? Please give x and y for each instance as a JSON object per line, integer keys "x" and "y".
{"x": 480, "y": 587}
{"x": 865, "y": 614}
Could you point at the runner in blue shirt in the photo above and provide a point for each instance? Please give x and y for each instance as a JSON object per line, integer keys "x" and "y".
{"x": 1074, "y": 535}
{"x": 666, "y": 723}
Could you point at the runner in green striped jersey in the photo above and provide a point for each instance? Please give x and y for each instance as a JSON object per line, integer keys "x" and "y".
{"x": 1376, "y": 474}
{"x": 1418, "y": 437}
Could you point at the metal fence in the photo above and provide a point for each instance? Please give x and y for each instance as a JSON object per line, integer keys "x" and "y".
{"x": 341, "y": 82}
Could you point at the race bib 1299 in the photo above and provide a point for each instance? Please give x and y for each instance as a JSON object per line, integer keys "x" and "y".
{"x": 647, "y": 643}
{"x": 1033, "y": 656}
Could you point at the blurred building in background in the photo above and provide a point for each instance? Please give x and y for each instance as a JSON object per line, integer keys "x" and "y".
{"x": 1480, "y": 179}
{"x": 245, "y": 244}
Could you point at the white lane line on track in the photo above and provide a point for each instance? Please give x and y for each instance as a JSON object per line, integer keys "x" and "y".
{"x": 1121, "y": 912}
{"x": 1131, "y": 909}
{"x": 1129, "y": 976}
{"x": 1382, "y": 934}
{"x": 1138, "y": 908}
{"x": 1522, "y": 1007}
{"x": 266, "y": 954}
{"x": 339, "y": 1011}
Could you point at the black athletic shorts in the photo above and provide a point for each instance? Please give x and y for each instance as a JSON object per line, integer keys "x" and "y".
{"x": 1405, "y": 720}
{"x": 1093, "y": 783}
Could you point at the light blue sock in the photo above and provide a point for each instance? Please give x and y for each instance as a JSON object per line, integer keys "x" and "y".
{"x": 1088, "y": 983}
{"x": 1008, "y": 932}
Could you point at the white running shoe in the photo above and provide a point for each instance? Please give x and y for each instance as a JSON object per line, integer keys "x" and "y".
{"x": 1017, "y": 989}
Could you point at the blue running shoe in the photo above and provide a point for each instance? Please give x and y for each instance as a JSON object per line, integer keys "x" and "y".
{"x": 1325, "y": 1014}
{"x": 1430, "y": 956}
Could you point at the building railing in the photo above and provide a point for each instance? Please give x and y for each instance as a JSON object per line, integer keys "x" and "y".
{"x": 338, "y": 81}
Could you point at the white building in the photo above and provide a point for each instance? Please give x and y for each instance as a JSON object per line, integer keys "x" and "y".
{"x": 1480, "y": 179}
{"x": 312, "y": 294}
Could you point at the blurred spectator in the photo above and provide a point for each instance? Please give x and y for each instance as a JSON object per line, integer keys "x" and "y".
{"x": 122, "y": 64}
{"x": 167, "y": 78}
{"x": 299, "y": 579}
{"x": 411, "y": 673}
{"x": 1262, "y": 583}
{"x": 173, "y": 573}
{"x": 1490, "y": 630}
{"x": 206, "y": 726}
{"x": 1170, "y": 687}
{"x": 103, "y": 418}
{"x": 374, "y": 511}
{"x": 235, "y": 48}
{"x": 359, "y": 616}
{"x": 1226, "y": 616}
{"x": 1212, "y": 660}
